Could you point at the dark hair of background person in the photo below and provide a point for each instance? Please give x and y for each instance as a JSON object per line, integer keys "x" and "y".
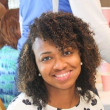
{"x": 5, "y": 3}
{"x": 61, "y": 30}
{"x": 10, "y": 28}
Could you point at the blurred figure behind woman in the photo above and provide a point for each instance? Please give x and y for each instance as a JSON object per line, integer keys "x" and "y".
{"x": 2, "y": 11}
{"x": 5, "y": 3}
{"x": 9, "y": 35}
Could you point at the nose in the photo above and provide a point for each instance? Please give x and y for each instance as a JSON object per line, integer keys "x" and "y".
{"x": 60, "y": 64}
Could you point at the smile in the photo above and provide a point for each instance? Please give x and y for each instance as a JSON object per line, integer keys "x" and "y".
{"x": 63, "y": 77}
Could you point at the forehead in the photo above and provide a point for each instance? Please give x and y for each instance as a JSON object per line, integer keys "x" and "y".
{"x": 40, "y": 45}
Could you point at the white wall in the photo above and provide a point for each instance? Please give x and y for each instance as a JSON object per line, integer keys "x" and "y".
{"x": 13, "y": 4}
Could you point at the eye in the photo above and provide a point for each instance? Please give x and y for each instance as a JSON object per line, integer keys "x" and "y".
{"x": 46, "y": 59}
{"x": 67, "y": 53}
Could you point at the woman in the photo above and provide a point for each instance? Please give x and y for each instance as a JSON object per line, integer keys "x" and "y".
{"x": 9, "y": 35}
{"x": 57, "y": 66}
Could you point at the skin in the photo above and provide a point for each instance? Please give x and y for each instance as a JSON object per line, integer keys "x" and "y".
{"x": 59, "y": 72}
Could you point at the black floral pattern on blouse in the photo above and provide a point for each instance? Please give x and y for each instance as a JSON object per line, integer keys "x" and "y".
{"x": 39, "y": 108}
{"x": 58, "y": 109}
{"x": 86, "y": 109}
{"x": 94, "y": 102}
{"x": 14, "y": 99}
{"x": 27, "y": 102}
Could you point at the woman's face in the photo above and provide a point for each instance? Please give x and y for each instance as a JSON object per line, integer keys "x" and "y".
{"x": 59, "y": 71}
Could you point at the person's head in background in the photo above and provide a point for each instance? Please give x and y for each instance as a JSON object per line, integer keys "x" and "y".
{"x": 64, "y": 36}
{"x": 10, "y": 28}
{"x": 2, "y": 12}
{"x": 5, "y": 3}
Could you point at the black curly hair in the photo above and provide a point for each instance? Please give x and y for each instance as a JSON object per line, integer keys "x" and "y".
{"x": 62, "y": 30}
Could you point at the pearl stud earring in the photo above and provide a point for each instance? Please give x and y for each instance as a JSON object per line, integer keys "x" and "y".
{"x": 81, "y": 63}
{"x": 39, "y": 75}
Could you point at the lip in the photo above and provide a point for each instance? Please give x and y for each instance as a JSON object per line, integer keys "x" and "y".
{"x": 63, "y": 76}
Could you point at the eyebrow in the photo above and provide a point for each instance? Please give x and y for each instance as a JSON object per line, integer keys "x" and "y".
{"x": 45, "y": 53}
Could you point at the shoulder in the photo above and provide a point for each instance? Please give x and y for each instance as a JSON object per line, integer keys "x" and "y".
{"x": 9, "y": 49}
{"x": 21, "y": 102}
{"x": 8, "y": 57}
{"x": 94, "y": 104}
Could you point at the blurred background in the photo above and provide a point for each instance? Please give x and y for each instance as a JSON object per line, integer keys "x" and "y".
{"x": 10, "y": 4}
{"x": 15, "y": 3}
{"x": 105, "y": 3}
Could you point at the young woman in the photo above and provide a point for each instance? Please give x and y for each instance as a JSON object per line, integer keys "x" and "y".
{"x": 57, "y": 66}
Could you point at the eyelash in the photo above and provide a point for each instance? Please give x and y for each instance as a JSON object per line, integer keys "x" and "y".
{"x": 45, "y": 59}
{"x": 67, "y": 53}
{"x": 49, "y": 58}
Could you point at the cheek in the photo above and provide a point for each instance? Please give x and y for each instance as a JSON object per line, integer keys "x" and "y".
{"x": 43, "y": 69}
{"x": 76, "y": 61}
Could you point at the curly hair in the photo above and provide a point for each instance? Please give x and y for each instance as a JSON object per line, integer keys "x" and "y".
{"x": 10, "y": 28}
{"x": 61, "y": 30}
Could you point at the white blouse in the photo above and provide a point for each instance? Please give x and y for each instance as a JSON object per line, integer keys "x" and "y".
{"x": 23, "y": 102}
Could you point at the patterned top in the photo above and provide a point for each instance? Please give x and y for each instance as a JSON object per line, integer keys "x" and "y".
{"x": 23, "y": 102}
{"x": 8, "y": 60}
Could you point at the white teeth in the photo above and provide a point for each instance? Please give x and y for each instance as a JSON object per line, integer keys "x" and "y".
{"x": 62, "y": 75}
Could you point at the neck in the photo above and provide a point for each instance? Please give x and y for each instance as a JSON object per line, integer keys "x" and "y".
{"x": 64, "y": 98}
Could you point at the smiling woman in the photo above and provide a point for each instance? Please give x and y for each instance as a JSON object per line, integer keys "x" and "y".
{"x": 57, "y": 66}
{"x": 58, "y": 69}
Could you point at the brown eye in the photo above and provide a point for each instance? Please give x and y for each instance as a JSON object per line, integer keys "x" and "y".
{"x": 67, "y": 53}
{"x": 46, "y": 59}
